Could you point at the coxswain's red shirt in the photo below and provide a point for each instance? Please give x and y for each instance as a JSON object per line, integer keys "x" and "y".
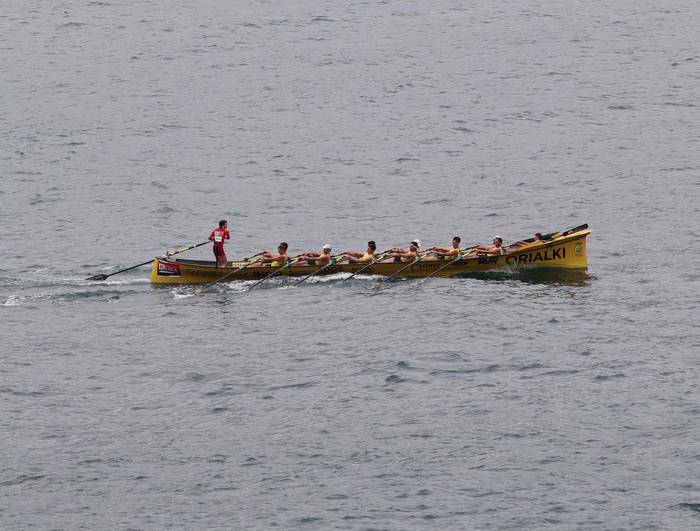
{"x": 219, "y": 235}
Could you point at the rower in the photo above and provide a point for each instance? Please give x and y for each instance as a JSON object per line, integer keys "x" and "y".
{"x": 399, "y": 254}
{"x": 496, "y": 247}
{"x": 275, "y": 260}
{"x": 444, "y": 253}
{"x": 218, "y": 236}
{"x": 319, "y": 259}
{"x": 357, "y": 257}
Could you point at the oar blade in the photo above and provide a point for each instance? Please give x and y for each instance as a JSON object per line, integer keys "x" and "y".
{"x": 103, "y": 277}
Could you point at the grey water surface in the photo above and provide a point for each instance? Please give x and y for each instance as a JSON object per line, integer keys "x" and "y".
{"x": 130, "y": 128}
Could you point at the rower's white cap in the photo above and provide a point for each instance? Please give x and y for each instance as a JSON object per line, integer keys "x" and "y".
{"x": 327, "y": 246}
{"x": 416, "y": 241}
{"x": 497, "y": 237}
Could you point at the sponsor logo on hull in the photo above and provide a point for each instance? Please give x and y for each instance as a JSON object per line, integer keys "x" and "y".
{"x": 558, "y": 253}
{"x": 168, "y": 270}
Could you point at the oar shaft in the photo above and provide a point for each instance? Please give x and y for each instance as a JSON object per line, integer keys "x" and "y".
{"x": 231, "y": 273}
{"x": 130, "y": 268}
{"x": 103, "y": 277}
{"x": 329, "y": 264}
{"x": 418, "y": 259}
{"x": 380, "y": 257}
{"x": 224, "y": 277}
{"x": 273, "y": 273}
{"x": 189, "y": 248}
{"x": 460, "y": 257}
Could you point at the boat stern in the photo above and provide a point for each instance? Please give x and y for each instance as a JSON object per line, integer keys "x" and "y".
{"x": 163, "y": 271}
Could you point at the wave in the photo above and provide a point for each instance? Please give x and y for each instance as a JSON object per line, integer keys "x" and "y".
{"x": 44, "y": 286}
{"x": 49, "y": 280}
{"x": 54, "y": 297}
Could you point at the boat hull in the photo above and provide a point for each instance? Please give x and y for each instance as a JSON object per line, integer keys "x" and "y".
{"x": 567, "y": 253}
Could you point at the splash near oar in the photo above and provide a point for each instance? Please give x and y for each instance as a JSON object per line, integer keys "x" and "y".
{"x": 170, "y": 253}
{"x": 330, "y": 263}
{"x": 283, "y": 268}
{"x": 197, "y": 291}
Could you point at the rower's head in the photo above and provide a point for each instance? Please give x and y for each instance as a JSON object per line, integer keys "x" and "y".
{"x": 538, "y": 236}
{"x": 456, "y": 241}
{"x": 371, "y": 246}
{"x": 223, "y": 223}
{"x": 327, "y": 248}
{"x": 497, "y": 240}
{"x": 282, "y": 247}
{"x": 415, "y": 245}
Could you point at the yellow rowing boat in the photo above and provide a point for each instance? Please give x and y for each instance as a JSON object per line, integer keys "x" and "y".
{"x": 564, "y": 251}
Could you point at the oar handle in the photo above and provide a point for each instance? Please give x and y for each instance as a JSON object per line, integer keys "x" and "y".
{"x": 293, "y": 257}
{"x": 247, "y": 258}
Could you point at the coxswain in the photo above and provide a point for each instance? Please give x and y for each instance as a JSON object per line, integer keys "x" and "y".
{"x": 319, "y": 259}
{"x": 398, "y": 254}
{"x": 447, "y": 253}
{"x": 218, "y": 236}
{"x": 357, "y": 257}
{"x": 275, "y": 259}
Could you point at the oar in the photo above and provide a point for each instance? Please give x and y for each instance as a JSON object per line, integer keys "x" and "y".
{"x": 247, "y": 258}
{"x": 459, "y": 257}
{"x": 419, "y": 257}
{"x": 103, "y": 277}
{"x": 380, "y": 256}
{"x": 329, "y": 264}
{"x": 197, "y": 291}
{"x": 289, "y": 264}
